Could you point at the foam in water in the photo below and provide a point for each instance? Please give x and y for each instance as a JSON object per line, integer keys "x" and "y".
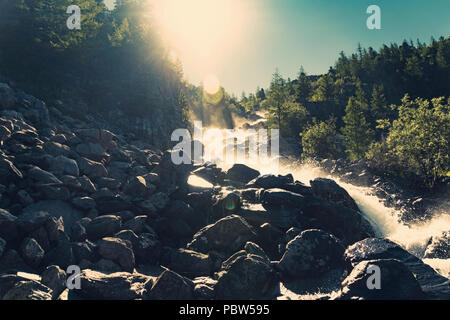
{"x": 385, "y": 221}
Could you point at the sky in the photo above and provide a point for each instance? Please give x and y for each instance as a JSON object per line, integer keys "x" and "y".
{"x": 240, "y": 43}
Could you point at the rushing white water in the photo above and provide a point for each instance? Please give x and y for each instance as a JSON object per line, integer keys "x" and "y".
{"x": 385, "y": 221}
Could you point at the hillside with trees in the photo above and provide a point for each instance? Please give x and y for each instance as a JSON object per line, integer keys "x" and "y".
{"x": 390, "y": 106}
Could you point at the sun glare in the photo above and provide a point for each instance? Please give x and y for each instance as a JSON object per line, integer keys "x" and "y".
{"x": 202, "y": 31}
{"x": 211, "y": 84}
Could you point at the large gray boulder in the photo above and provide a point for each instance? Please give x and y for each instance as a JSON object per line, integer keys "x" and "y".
{"x": 28, "y": 290}
{"x": 103, "y": 226}
{"x": 116, "y": 286}
{"x": 187, "y": 262}
{"x": 117, "y": 250}
{"x": 241, "y": 173}
{"x": 433, "y": 284}
{"x": 170, "y": 286}
{"x": 311, "y": 254}
{"x": 329, "y": 190}
{"x": 247, "y": 274}
{"x": 32, "y": 252}
{"x": 396, "y": 282}
{"x": 227, "y": 235}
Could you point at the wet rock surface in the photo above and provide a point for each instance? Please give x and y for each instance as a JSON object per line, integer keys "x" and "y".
{"x": 77, "y": 193}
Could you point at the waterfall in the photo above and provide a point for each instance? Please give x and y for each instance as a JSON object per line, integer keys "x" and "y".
{"x": 385, "y": 220}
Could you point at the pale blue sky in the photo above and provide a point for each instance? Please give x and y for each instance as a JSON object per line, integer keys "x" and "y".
{"x": 286, "y": 34}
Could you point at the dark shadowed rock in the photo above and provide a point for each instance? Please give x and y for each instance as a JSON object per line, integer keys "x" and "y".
{"x": 396, "y": 282}
{"x": 42, "y": 177}
{"x": 117, "y": 250}
{"x": 227, "y": 235}
{"x": 91, "y": 168}
{"x": 241, "y": 173}
{"x": 269, "y": 237}
{"x": 57, "y": 209}
{"x": 187, "y": 262}
{"x": 85, "y": 203}
{"x": 275, "y": 198}
{"x": 116, "y": 286}
{"x": 11, "y": 261}
{"x": 92, "y": 151}
{"x": 2, "y": 246}
{"x": 28, "y": 290}
{"x": 8, "y": 171}
{"x": 54, "y": 278}
{"x": 310, "y": 254}
{"x": 329, "y": 190}
{"x": 8, "y": 227}
{"x": 270, "y": 181}
{"x": 32, "y": 252}
{"x": 170, "y": 286}
{"x": 346, "y": 224}
{"x": 247, "y": 274}
{"x": 63, "y": 165}
{"x": 136, "y": 224}
{"x": 103, "y": 226}
{"x": 432, "y": 283}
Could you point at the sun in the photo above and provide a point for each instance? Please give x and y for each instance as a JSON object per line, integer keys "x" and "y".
{"x": 202, "y": 32}
{"x": 211, "y": 84}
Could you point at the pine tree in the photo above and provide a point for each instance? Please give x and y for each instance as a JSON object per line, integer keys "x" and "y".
{"x": 303, "y": 88}
{"x": 357, "y": 132}
{"x": 277, "y": 97}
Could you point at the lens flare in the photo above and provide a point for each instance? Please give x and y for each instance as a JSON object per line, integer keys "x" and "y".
{"x": 211, "y": 84}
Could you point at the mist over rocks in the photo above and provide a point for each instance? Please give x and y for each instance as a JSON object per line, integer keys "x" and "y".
{"x": 76, "y": 192}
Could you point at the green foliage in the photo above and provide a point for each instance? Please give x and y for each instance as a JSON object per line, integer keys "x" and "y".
{"x": 116, "y": 60}
{"x": 418, "y": 141}
{"x": 324, "y": 89}
{"x": 357, "y": 132}
{"x": 319, "y": 139}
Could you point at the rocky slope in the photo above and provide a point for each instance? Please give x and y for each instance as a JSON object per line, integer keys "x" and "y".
{"x": 75, "y": 194}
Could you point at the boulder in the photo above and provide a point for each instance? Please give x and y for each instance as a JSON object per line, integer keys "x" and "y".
{"x": 91, "y": 168}
{"x": 7, "y": 96}
{"x": 329, "y": 190}
{"x": 92, "y": 151}
{"x": 187, "y": 262}
{"x": 116, "y": 286}
{"x": 227, "y": 235}
{"x": 2, "y": 246}
{"x": 8, "y": 171}
{"x": 346, "y": 224}
{"x": 63, "y": 165}
{"x": 28, "y": 290}
{"x": 117, "y": 250}
{"x": 396, "y": 282}
{"x": 275, "y": 198}
{"x": 103, "y": 226}
{"x": 8, "y": 227}
{"x": 433, "y": 284}
{"x": 54, "y": 278}
{"x": 246, "y": 275}
{"x": 311, "y": 254}
{"x": 32, "y": 252}
{"x": 136, "y": 224}
{"x": 42, "y": 177}
{"x": 137, "y": 187}
{"x": 241, "y": 173}
{"x": 85, "y": 203}
{"x": 270, "y": 181}
{"x": 170, "y": 286}
{"x": 57, "y": 209}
